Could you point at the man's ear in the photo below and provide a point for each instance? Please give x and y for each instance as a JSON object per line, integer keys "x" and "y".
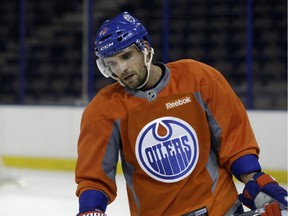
{"x": 146, "y": 44}
{"x": 147, "y": 48}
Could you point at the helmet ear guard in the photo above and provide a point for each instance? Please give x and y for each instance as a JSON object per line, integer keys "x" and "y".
{"x": 140, "y": 45}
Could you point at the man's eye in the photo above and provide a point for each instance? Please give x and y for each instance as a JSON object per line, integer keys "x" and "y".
{"x": 126, "y": 56}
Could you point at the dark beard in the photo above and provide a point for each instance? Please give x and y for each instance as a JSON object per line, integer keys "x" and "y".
{"x": 143, "y": 80}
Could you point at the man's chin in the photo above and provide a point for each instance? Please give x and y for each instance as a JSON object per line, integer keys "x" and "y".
{"x": 132, "y": 85}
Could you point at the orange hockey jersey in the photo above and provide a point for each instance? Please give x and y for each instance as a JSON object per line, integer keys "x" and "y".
{"x": 177, "y": 142}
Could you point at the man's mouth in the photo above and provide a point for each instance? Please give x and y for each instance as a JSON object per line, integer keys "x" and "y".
{"x": 128, "y": 77}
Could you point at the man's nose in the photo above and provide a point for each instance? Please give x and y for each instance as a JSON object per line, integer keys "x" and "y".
{"x": 122, "y": 67}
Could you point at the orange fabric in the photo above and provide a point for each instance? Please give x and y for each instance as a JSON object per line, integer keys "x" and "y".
{"x": 271, "y": 210}
{"x": 246, "y": 194}
{"x": 187, "y": 78}
{"x": 265, "y": 179}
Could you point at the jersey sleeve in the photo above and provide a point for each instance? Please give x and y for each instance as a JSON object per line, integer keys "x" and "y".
{"x": 98, "y": 152}
{"x": 231, "y": 133}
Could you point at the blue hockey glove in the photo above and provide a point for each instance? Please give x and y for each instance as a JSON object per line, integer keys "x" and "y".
{"x": 263, "y": 189}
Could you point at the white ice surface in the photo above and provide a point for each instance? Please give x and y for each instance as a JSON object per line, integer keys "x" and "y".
{"x": 50, "y": 193}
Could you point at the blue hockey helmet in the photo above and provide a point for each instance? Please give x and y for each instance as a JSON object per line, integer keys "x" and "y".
{"x": 118, "y": 33}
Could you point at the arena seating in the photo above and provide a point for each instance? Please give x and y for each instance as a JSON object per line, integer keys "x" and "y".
{"x": 199, "y": 29}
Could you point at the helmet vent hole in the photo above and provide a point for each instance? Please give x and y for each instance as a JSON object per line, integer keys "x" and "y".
{"x": 122, "y": 37}
{"x": 104, "y": 38}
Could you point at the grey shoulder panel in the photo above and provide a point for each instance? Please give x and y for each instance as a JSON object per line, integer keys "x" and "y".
{"x": 111, "y": 156}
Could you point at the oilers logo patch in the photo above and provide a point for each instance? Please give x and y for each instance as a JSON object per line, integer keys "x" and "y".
{"x": 167, "y": 149}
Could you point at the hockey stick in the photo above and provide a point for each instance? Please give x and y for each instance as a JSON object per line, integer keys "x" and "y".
{"x": 255, "y": 212}
{"x": 258, "y": 212}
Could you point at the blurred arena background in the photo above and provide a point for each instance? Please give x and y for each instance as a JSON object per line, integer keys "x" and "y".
{"x": 47, "y": 53}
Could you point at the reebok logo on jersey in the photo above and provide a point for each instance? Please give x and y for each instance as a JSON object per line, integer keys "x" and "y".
{"x": 178, "y": 102}
{"x": 167, "y": 149}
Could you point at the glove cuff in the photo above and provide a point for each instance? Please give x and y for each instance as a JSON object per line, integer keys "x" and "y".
{"x": 245, "y": 164}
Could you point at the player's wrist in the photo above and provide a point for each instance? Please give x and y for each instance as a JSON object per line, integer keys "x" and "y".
{"x": 245, "y": 165}
{"x": 90, "y": 200}
{"x": 245, "y": 178}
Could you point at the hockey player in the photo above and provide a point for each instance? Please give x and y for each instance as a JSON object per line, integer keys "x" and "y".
{"x": 179, "y": 128}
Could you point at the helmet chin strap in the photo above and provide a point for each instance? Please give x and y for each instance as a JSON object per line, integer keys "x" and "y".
{"x": 147, "y": 64}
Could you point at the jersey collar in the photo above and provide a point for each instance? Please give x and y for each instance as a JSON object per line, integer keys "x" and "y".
{"x": 151, "y": 94}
